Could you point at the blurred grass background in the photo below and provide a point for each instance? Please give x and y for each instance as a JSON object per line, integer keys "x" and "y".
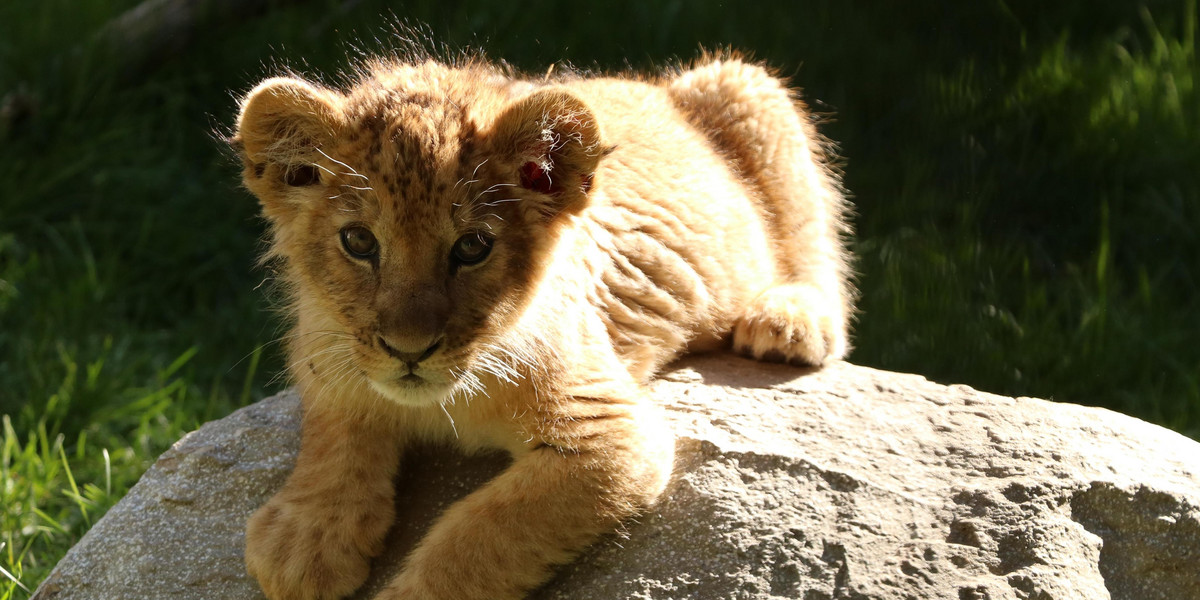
{"x": 1026, "y": 175}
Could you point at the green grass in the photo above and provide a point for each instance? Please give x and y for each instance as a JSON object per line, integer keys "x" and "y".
{"x": 1025, "y": 175}
{"x": 1066, "y": 267}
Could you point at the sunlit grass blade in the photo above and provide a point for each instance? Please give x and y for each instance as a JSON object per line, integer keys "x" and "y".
{"x": 80, "y": 501}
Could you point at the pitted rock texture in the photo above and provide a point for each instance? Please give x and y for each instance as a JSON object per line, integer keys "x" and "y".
{"x": 842, "y": 483}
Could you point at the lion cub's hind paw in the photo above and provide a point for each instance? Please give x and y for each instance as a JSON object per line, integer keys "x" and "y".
{"x": 791, "y": 324}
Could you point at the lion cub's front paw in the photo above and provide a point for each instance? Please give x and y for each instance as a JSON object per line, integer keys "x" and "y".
{"x": 795, "y": 324}
{"x": 305, "y": 550}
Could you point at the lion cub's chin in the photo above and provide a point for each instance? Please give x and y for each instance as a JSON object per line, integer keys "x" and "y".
{"x": 415, "y": 392}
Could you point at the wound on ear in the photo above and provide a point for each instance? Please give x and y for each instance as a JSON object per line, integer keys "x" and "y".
{"x": 534, "y": 177}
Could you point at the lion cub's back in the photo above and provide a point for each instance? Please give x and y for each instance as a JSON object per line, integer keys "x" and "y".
{"x": 688, "y": 245}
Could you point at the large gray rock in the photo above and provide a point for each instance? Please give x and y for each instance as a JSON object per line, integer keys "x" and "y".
{"x": 844, "y": 483}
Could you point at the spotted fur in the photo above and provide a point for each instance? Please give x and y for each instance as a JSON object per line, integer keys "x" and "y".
{"x": 630, "y": 219}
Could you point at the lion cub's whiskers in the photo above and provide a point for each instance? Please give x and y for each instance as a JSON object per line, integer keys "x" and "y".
{"x": 353, "y": 172}
{"x": 442, "y": 405}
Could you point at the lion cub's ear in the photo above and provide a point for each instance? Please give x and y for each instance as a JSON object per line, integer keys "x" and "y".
{"x": 552, "y": 141}
{"x": 282, "y": 124}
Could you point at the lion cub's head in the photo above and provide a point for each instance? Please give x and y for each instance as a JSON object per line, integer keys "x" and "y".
{"x": 411, "y": 214}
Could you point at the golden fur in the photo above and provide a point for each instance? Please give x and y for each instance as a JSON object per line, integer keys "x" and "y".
{"x": 629, "y": 220}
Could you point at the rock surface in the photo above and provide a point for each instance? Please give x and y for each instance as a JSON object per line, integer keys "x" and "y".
{"x": 843, "y": 483}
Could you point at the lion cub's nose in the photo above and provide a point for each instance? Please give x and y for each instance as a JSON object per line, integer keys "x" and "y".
{"x": 408, "y": 350}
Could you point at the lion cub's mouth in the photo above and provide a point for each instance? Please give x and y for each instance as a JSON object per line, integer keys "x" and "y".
{"x": 411, "y": 387}
{"x": 411, "y": 380}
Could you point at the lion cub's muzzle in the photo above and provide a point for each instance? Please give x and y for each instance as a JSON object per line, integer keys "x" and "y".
{"x": 412, "y": 320}
{"x": 408, "y": 350}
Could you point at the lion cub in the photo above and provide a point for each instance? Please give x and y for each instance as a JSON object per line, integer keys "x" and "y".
{"x": 503, "y": 262}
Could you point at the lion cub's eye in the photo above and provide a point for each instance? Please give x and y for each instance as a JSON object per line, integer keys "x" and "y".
{"x": 359, "y": 241}
{"x": 302, "y": 175}
{"x": 472, "y": 248}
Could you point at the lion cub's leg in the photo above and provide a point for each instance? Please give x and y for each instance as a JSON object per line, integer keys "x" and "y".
{"x": 765, "y": 132}
{"x": 314, "y": 539}
{"x": 595, "y": 463}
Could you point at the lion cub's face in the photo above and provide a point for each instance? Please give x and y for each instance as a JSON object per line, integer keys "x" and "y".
{"x": 412, "y": 215}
